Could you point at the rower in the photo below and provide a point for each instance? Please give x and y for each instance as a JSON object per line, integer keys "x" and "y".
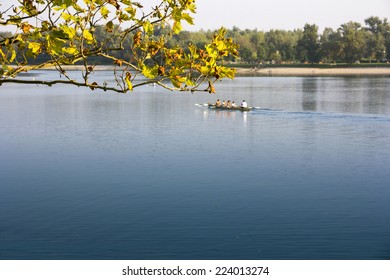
{"x": 244, "y": 104}
{"x": 234, "y": 104}
{"x": 218, "y": 103}
{"x": 229, "y": 104}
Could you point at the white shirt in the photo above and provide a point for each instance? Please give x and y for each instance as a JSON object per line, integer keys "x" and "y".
{"x": 244, "y": 104}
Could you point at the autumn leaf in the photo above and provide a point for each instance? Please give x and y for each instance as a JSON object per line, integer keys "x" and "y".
{"x": 118, "y": 62}
{"x": 104, "y": 12}
{"x": 137, "y": 39}
{"x": 34, "y": 47}
{"x": 211, "y": 88}
{"x": 88, "y": 36}
{"x": 161, "y": 70}
{"x": 93, "y": 85}
{"x": 26, "y": 27}
{"x": 128, "y": 81}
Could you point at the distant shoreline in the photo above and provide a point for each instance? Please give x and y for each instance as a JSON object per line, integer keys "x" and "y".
{"x": 277, "y": 71}
{"x": 313, "y": 71}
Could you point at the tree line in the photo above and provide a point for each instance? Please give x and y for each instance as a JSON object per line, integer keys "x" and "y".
{"x": 351, "y": 42}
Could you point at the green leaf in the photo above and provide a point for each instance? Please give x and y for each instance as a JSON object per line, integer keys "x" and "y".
{"x": 229, "y": 72}
{"x": 110, "y": 26}
{"x": 150, "y": 72}
{"x": 148, "y": 27}
{"x": 175, "y": 83}
{"x": 177, "y": 27}
{"x": 123, "y": 17}
{"x": 131, "y": 11}
{"x": 188, "y": 18}
{"x": 190, "y": 83}
{"x": 192, "y": 8}
{"x": 70, "y": 31}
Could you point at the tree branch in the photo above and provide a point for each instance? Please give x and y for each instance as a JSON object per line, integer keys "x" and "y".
{"x": 66, "y": 82}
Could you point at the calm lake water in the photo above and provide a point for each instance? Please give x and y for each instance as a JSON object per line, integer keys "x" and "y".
{"x": 149, "y": 175}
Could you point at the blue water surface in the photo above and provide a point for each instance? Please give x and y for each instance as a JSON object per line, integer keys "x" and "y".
{"x": 151, "y": 175}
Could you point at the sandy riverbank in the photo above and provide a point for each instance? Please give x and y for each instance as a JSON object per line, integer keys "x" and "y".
{"x": 279, "y": 71}
{"x": 312, "y": 71}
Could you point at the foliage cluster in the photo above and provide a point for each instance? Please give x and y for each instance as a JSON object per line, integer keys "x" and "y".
{"x": 121, "y": 32}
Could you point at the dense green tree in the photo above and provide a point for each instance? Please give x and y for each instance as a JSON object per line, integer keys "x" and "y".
{"x": 281, "y": 43}
{"x": 309, "y": 46}
{"x": 353, "y": 41}
{"x": 375, "y": 46}
{"x": 331, "y": 45}
{"x": 247, "y": 48}
{"x": 257, "y": 39}
{"x": 379, "y": 37}
{"x": 375, "y": 38}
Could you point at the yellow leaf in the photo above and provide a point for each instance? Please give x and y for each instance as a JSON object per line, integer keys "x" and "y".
{"x": 2, "y": 54}
{"x": 34, "y": 47}
{"x": 70, "y": 50}
{"x": 128, "y": 81}
{"x": 66, "y": 16}
{"x": 26, "y": 27}
{"x": 104, "y": 12}
{"x": 13, "y": 56}
{"x": 88, "y": 36}
{"x": 211, "y": 88}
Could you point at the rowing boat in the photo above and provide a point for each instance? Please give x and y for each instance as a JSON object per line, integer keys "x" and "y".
{"x": 213, "y": 106}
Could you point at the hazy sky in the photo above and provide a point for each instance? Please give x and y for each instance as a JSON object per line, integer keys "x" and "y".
{"x": 277, "y": 14}
{"x": 285, "y": 14}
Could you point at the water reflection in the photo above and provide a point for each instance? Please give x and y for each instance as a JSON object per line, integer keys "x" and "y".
{"x": 370, "y": 95}
{"x": 226, "y": 115}
{"x": 309, "y": 94}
